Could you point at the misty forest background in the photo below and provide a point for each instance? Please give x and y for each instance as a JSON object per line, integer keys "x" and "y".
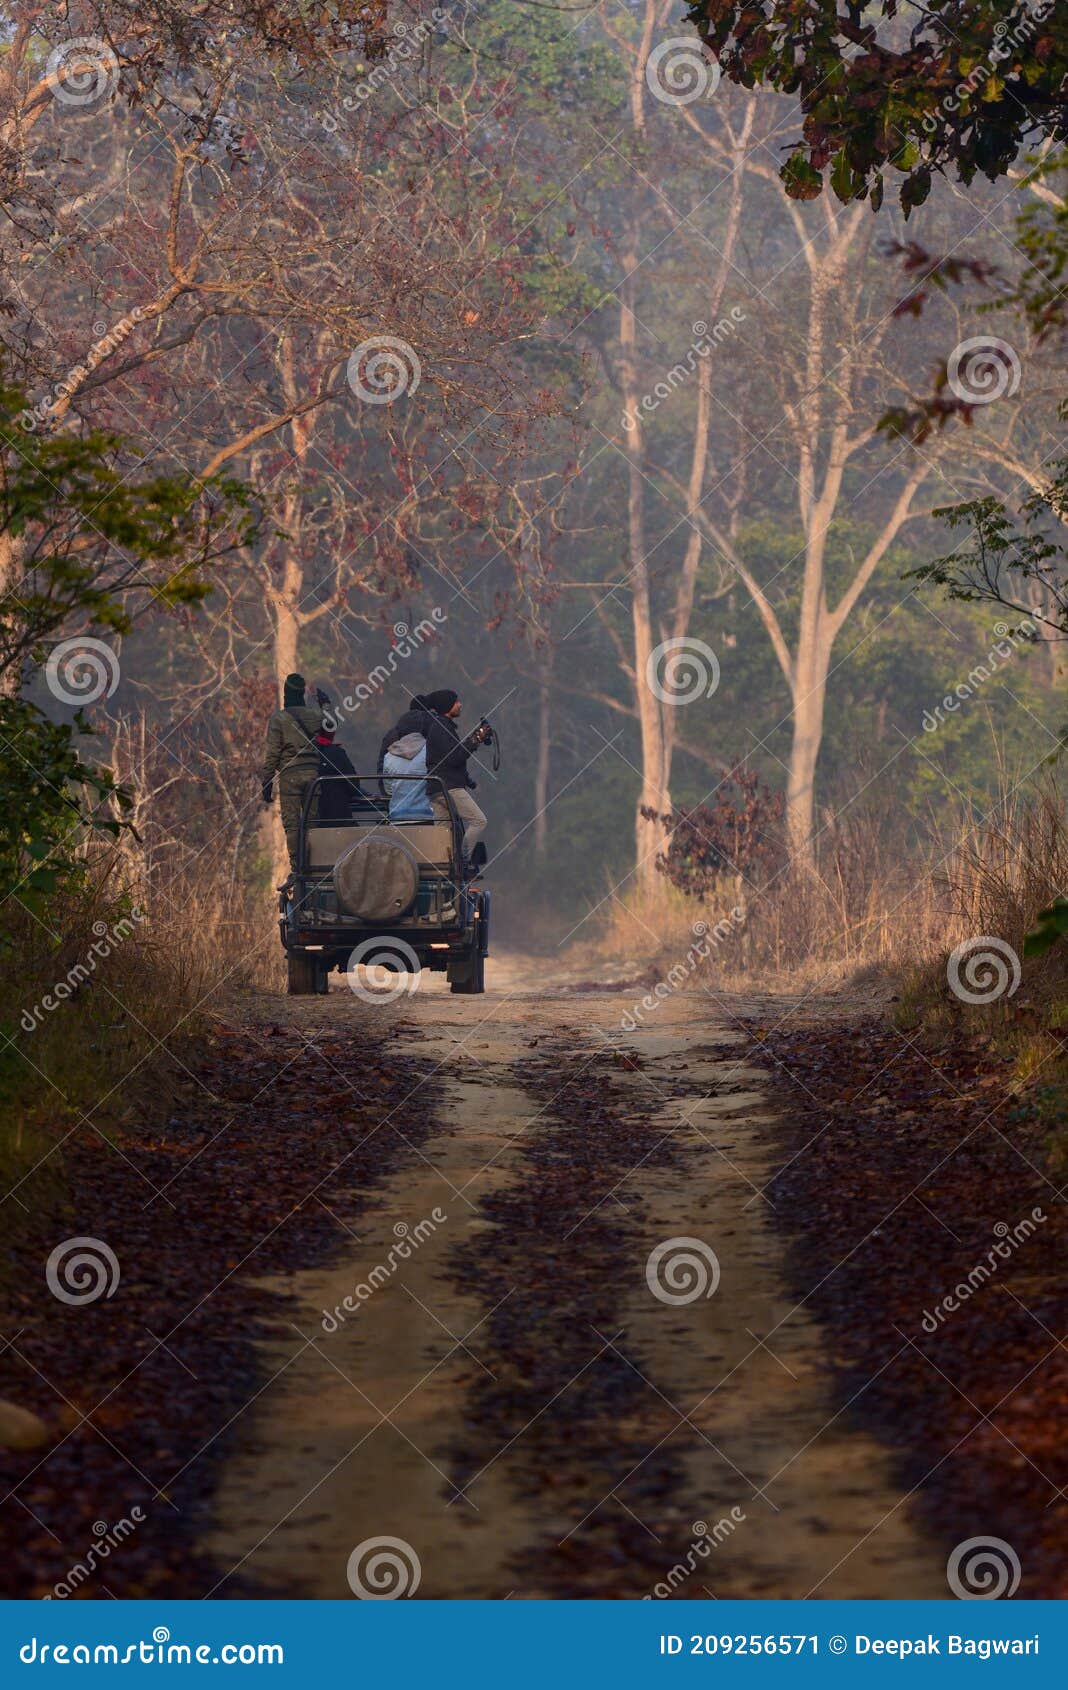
{"x": 653, "y": 399}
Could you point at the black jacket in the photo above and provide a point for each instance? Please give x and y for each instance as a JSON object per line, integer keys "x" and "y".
{"x": 337, "y": 797}
{"x": 446, "y": 752}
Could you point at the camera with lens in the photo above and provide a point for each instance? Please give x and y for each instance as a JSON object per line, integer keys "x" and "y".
{"x": 489, "y": 736}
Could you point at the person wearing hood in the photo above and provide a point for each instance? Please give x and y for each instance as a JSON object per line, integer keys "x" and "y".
{"x": 337, "y": 798}
{"x": 292, "y": 754}
{"x": 434, "y": 717}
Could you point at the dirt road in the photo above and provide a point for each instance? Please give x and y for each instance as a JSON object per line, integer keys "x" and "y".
{"x": 570, "y": 1363}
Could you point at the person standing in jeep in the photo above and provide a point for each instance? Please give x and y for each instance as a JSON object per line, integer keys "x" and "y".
{"x": 435, "y": 715}
{"x": 293, "y": 755}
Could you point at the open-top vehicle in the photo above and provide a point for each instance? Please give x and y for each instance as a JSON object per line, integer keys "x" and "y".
{"x": 389, "y": 894}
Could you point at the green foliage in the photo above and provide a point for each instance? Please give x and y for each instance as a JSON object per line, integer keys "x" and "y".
{"x": 959, "y": 85}
{"x": 80, "y": 532}
{"x": 1003, "y": 555}
{"x": 1042, "y": 236}
{"x": 78, "y": 536}
{"x": 49, "y": 797}
{"x": 1050, "y": 928}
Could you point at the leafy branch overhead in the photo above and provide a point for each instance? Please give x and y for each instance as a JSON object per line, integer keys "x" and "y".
{"x": 1003, "y": 560}
{"x": 79, "y": 536}
{"x": 80, "y": 544}
{"x": 958, "y": 86}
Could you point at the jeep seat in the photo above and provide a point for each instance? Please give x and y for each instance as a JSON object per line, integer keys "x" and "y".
{"x": 430, "y": 842}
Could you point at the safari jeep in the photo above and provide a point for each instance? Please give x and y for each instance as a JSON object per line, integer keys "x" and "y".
{"x": 384, "y": 894}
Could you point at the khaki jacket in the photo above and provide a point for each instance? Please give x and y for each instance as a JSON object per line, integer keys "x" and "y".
{"x": 291, "y": 750}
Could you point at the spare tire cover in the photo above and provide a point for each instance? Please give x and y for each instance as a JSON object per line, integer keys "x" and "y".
{"x": 377, "y": 878}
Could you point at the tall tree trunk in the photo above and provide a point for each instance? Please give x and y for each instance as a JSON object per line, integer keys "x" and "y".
{"x": 542, "y": 767}
{"x": 809, "y": 698}
{"x": 653, "y": 795}
{"x": 286, "y": 636}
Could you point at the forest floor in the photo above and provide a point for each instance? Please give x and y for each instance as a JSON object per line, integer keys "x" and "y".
{"x": 524, "y": 1391}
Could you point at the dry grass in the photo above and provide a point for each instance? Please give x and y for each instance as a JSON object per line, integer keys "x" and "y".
{"x": 1000, "y": 875}
{"x": 103, "y": 993}
{"x": 864, "y": 909}
{"x": 881, "y": 903}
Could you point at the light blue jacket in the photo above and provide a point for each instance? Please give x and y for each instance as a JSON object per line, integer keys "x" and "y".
{"x": 408, "y": 801}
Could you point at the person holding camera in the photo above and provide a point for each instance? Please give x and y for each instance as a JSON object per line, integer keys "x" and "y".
{"x": 436, "y": 716}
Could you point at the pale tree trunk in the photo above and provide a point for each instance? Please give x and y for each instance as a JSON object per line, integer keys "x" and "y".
{"x": 805, "y": 747}
{"x": 286, "y": 625}
{"x": 684, "y": 595}
{"x": 542, "y": 766}
{"x": 837, "y": 349}
{"x": 287, "y": 594}
{"x": 286, "y": 636}
{"x": 654, "y": 794}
